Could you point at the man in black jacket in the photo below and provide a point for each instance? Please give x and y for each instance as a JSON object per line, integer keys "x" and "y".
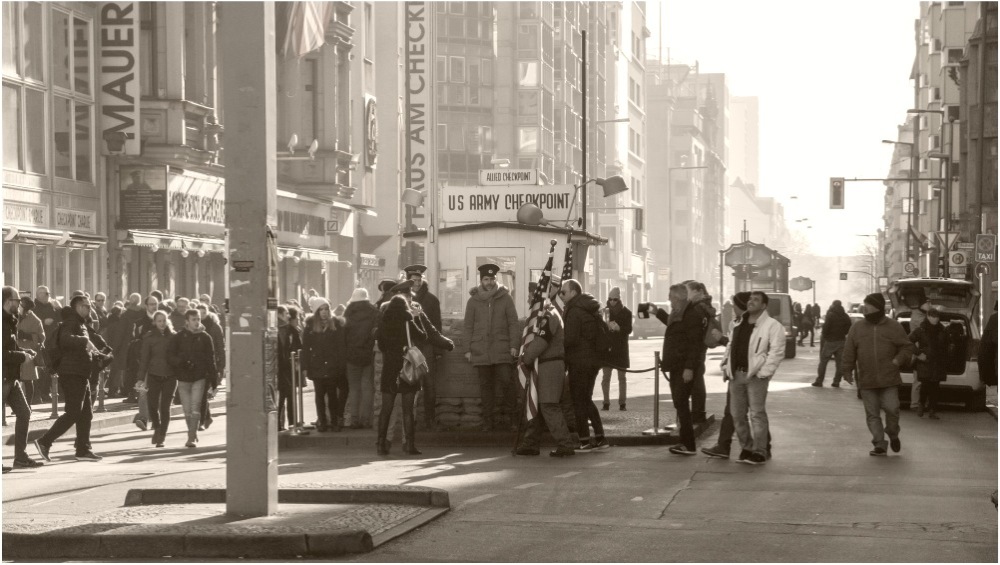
{"x": 699, "y": 298}
{"x": 13, "y": 396}
{"x": 582, "y": 362}
{"x": 74, "y": 371}
{"x": 683, "y": 351}
{"x": 831, "y": 342}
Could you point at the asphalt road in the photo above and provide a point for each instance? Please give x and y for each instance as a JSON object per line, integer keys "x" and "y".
{"x": 821, "y": 498}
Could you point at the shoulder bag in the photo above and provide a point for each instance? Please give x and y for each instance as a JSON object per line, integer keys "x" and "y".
{"x": 414, "y": 364}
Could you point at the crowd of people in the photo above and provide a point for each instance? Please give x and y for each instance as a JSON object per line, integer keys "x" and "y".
{"x": 154, "y": 351}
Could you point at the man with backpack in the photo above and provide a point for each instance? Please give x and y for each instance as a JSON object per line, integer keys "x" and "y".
{"x": 71, "y": 355}
{"x": 586, "y": 335}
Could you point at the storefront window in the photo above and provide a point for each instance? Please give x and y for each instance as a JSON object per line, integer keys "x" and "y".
{"x": 8, "y": 260}
{"x": 32, "y": 40}
{"x": 11, "y": 127}
{"x": 62, "y": 126}
{"x": 61, "y": 62}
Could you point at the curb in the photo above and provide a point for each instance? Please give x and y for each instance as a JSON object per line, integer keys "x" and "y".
{"x": 230, "y": 541}
{"x": 469, "y": 439}
{"x": 125, "y": 417}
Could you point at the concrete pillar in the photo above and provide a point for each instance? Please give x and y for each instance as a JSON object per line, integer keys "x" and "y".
{"x": 248, "y": 93}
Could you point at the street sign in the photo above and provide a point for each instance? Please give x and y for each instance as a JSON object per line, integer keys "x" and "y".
{"x": 883, "y": 282}
{"x": 957, "y": 259}
{"x": 986, "y": 248}
{"x": 965, "y": 245}
{"x": 503, "y": 177}
{"x": 332, "y": 226}
{"x": 945, "y": 241}
{"x": 982, "y": 269}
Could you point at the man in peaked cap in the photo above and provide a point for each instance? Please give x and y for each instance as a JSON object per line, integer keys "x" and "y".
{"x": 431, "y": 306}
{"x": 492, "y": 337}
{"x": 385, "y": 287}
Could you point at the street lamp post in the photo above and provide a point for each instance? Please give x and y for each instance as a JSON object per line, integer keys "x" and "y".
{"x": 670, "y": 208}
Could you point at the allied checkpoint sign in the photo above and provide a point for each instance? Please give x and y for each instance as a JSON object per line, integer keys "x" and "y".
{"x": 467, "y": 204}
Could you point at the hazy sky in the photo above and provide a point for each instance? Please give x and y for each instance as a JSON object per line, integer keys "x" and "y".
{"x": 833, "y": 81}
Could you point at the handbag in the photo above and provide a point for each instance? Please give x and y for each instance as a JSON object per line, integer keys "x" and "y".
{"x": 414, "y": 363}
{"x": 29, "y": 372}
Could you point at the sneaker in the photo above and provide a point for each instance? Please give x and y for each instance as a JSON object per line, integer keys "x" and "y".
{"x": 602, "y": 445}
{"x": 587, "y": 447}
{"x": 527, "y": 451}
{"x": 755, "y": 459}
{"x": 835, "y": 385}
{"x": 43, "y": 450}
{"x": 816, "y": 383}
{"x": 716, "y": 451}
{"x": 895, "y": 444}
{"x": 744, "y": 456}
{"x": 562, "y": 452}
{"x": 25, "y": 462}
{"x": 88, "y": 456}
{"x": 681, "y": 450}
{"x": 140, "y": 423}
{"x": 190, "y": 443}
{"x": 159, "y": 444}
{"x": 877, "y": 452}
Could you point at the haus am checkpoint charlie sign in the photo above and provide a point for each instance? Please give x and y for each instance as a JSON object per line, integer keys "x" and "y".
{"x": 466, "y": 204}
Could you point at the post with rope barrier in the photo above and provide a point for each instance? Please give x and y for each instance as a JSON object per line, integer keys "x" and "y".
{"x": 656, "y": 429}
{"x": 102, "y": 381}
{"x": 54, "y": 393}
{"x": 298, "y": 426}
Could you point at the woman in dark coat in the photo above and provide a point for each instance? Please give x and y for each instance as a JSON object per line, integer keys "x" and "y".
{"x": 620, "y": 324}
{"x": 118, "y": 333}
{"x": 931, "y": 343}
{"x": 155, "y": 370}
{"x": 289, "y": 340}
{"x": 324, "y": 361}
{"x": 392, "y": 342}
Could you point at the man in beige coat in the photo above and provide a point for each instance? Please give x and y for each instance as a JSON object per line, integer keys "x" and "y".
{"x": 878, "y": 346}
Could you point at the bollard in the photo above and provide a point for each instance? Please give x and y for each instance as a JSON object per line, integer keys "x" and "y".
{"x": 54, "y": 392}
{"x": 297, "y": 395}
{"x": 101, "y": 381}
{"x": 656, "y": 429}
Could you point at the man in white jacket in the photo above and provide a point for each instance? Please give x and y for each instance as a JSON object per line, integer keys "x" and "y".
{"x": 752, "y": 357}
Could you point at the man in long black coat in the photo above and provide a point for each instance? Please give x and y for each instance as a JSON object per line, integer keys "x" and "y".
{"x": 431, "y": 307}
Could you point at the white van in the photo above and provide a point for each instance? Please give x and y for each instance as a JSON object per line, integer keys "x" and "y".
{"x": 956, "y": 300}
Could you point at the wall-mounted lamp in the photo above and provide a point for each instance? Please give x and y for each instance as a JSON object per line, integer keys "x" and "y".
{"x": 185, "y": 253}
{"x": 115, "y": 141}
{"x": 201, "y": 253}
{"x": 154, "y": 248}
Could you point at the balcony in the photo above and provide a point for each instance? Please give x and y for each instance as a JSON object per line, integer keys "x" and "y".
{"x": 326, "y": 178}
{"x": 178, "y": 132}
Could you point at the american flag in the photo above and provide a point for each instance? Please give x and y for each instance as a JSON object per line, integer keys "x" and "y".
{"x": 528, "y": 374}
{"x": 567, "y": 272}
{"x": 306, "y": 30}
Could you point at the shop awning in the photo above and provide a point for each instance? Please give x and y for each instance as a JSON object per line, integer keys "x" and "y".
{"x": 42, "y": 236}
{"x": 175, "y": 241}
{"x": 303, "y": 253}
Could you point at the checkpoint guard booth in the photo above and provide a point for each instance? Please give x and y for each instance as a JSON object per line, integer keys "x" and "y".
{"x": 479, "y": 225}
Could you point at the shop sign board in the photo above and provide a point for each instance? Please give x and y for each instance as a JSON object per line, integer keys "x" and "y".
{"x": 118, "y": 73}
{"x": 501, "y": 177}
{"x": 197, "y": 200}
{"x": 369, "y": 261}
{"x": 466, "y": 204}
{"x": 20, "y": 214}
{"x": 84, "y": 221}
{"x": 418, "y": 68}
{"x": 143, "y": 198}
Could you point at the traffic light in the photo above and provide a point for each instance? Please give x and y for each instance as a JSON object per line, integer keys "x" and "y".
{"x": 843, "y": 276}
{"x": 836, "y": 193}
{"x": 943, "y": 266}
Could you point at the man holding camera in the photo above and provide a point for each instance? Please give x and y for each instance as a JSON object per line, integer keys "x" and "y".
{"x": 77, "y": 361}
{"x": 683, "y": 351}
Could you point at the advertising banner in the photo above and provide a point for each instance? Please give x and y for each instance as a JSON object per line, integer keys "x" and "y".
{"x": 500, "y": 203}
{"x": 118, "y": 73}
{"x": 419, "y": 90}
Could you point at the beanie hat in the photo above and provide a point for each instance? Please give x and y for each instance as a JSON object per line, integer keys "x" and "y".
{"x": 316, "y": 302}
{"x": 339, "y": 310}
{"x": 615, "y": 293}
{"x": 876, "y": 299}
{"x": 359, "y": 295}
{"x": 740, "y": 300}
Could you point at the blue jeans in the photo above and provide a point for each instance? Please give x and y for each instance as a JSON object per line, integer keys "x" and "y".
{"x": 192, "y": 394}
{"x": 749, "y": 392}
{"x": 361, "y": 393}
{"x": 876, "y": 401}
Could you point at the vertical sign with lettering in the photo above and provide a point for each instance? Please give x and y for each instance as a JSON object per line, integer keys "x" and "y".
{"x": 119, "y": 77}
{"x": 419, "y": 91}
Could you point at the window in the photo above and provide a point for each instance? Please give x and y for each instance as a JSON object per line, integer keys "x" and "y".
{"x": 456, "y": 26}
{"x": 527, "y": 139}
{"x": 474, "y": 76}
{"x": 81, "y": 56}
{"x": 527, "y": 103}
{"x": 12, "y": 125}
{"x": 457, "y": 8}
{"x": 955, "y": 56}
{"x": 441, "y": 132}
{"x": 487, "y": 137}
{"x": 527, "y": 73}
{"x": 474, "y": 96}
{"x": 527, "y": 40}
{"x": 61, "y": 66}
{"x": 11, "y": 40}
{"x": 487, "y": 72}
{"x": 32, "y": 39}
{"x": 456, "y": 94}
{"x": 147, "y": 49}
{"x": 528, "y": 10}
{"x": 457, "y": 69}
{"x": 441, "y": 68}
{"x": 309, "y": 78}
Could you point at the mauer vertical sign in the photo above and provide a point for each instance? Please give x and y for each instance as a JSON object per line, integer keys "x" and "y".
{"x": 119, "y": 76}
{"x": 418, "y": 101}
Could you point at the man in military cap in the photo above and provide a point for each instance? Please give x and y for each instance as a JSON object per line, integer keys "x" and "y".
{"x": 492, "y": 336}
{"x": 431, "y": 307}
{"x": 385, "y": 287}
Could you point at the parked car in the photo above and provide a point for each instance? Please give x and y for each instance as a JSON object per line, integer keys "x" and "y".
{"x": 779, "y": 307}
{"x": 645, "y": 328}
{"x": 956, "y": 300}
